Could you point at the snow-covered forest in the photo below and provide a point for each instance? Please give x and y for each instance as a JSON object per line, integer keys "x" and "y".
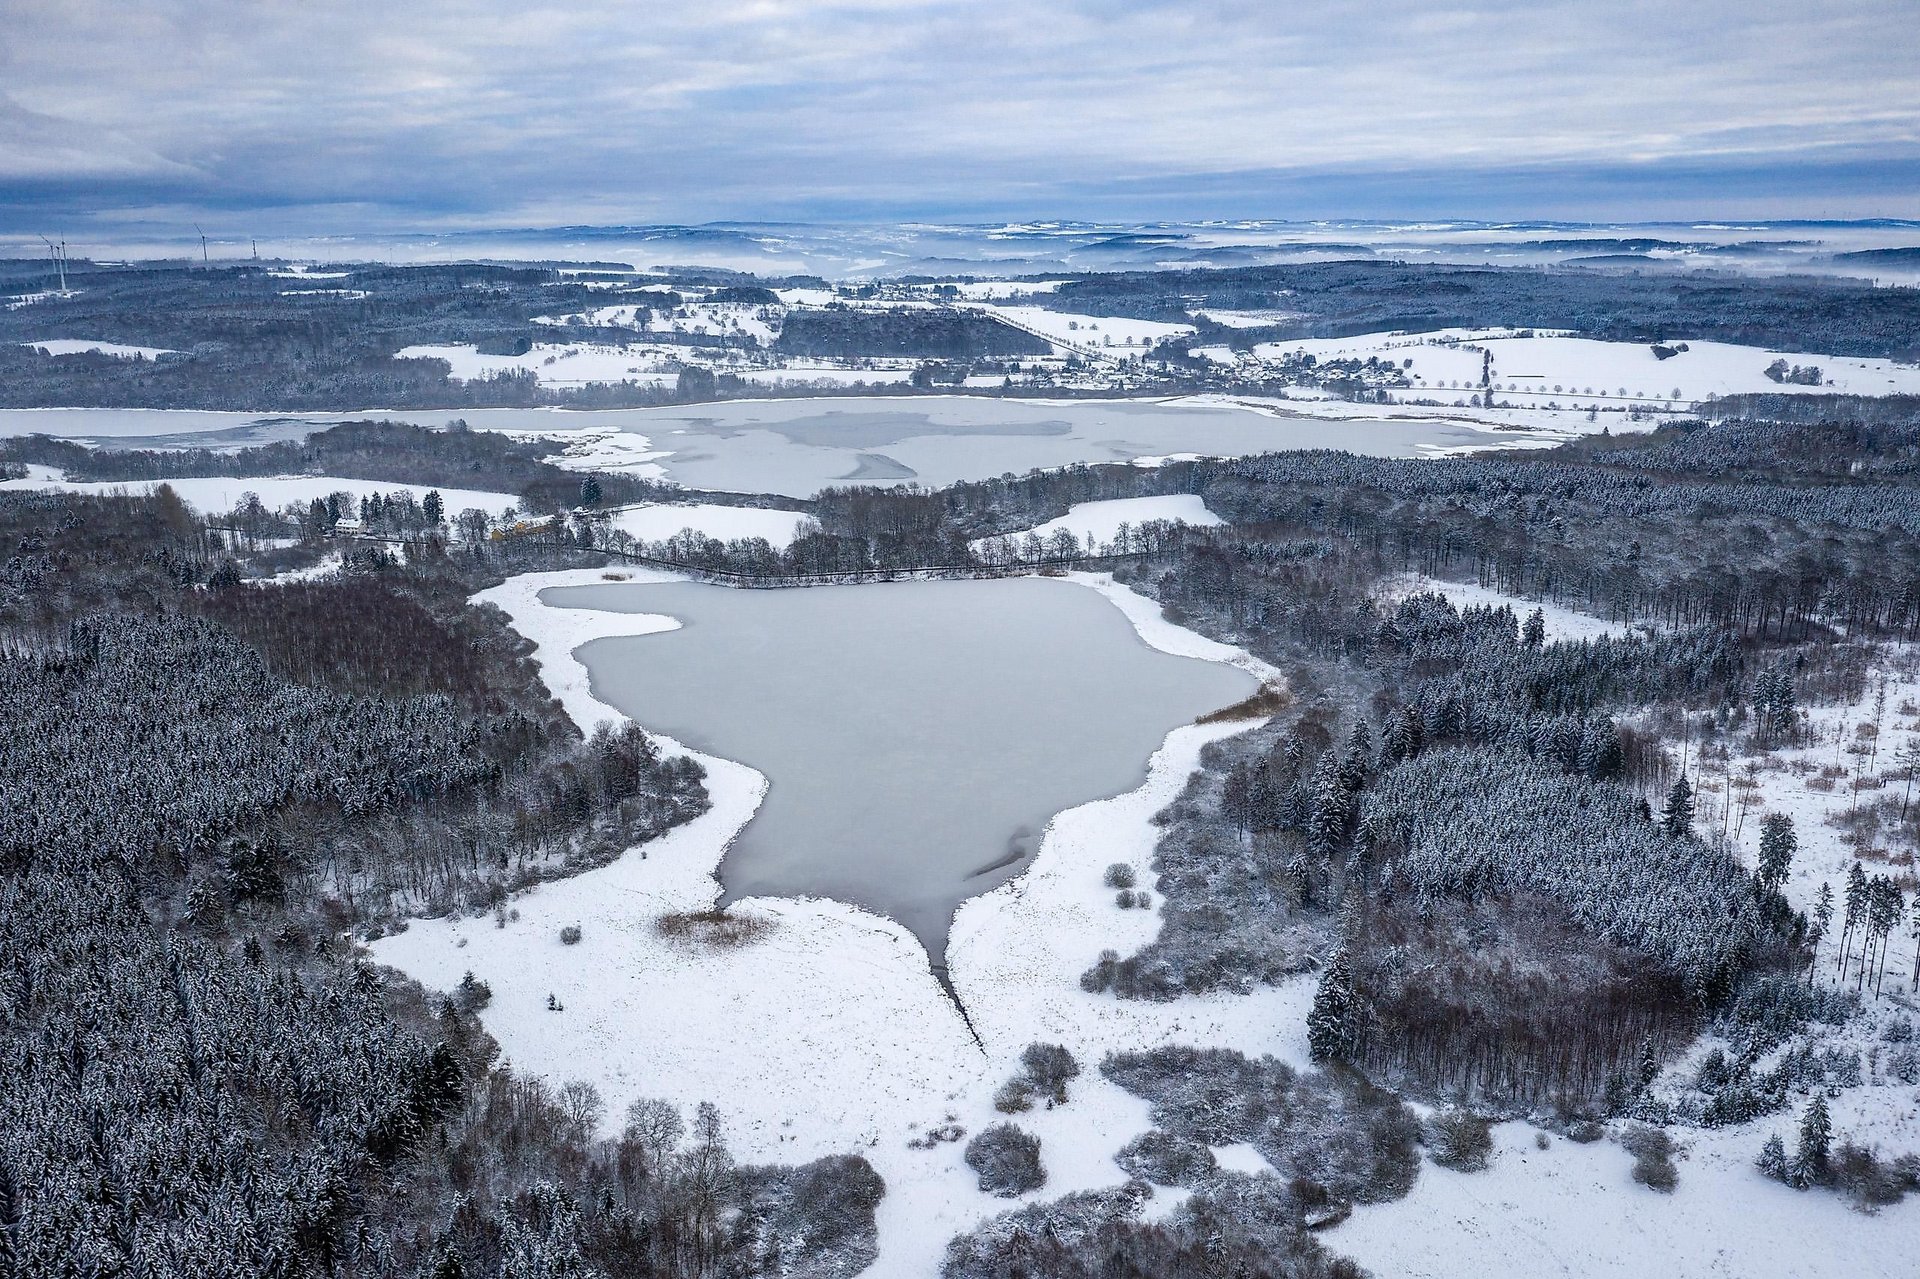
{"x": 1644, "y": 881}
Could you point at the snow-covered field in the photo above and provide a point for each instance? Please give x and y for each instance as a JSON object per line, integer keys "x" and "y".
{"x": 1578, "y": 373}
{"x": 998, "y": 290}
{"x": 1574, "y": 1212}
{"x": 656, "y": 522}
{"x": 564, "y": 364}
{"x": 1102, "y": 332}
{"x": 120, "y": 350}
{"x": 218, "y": 494}
{"x": 1099, "y": 522}
{"x": 1246, "y": 319}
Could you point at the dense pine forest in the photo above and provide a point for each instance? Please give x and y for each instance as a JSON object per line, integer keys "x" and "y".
{"x": 211, "y": 790}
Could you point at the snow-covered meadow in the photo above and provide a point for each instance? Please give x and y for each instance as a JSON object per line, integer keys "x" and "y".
{"x": 1098, "y": 523}
{"x": 218, "y": 494}
{"x": 654, "y": 522}
{"x": 1578, "y": 373}
{"x": 81, "y": 346}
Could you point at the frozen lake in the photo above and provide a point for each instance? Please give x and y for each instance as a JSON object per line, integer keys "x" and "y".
{"x": 916, "y": 736}
{"x": 798, "y": 447}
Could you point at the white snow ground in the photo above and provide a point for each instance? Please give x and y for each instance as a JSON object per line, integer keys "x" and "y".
{"x": 1574, "y": 1211}
{"x": 218, "y": 494}
{"x": 658, "y": 521}
{"x": 1578, "y": 372}
{"x": 1100, "y": 521}
{"x": 1114, "y": 334}
{"x": 75, "y": 346}
{"x": 571, "y": 364}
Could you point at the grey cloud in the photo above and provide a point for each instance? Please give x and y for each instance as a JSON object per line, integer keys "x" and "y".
{"x": 499, "y": 111}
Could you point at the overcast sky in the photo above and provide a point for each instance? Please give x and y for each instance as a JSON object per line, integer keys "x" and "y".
{"x": 311, "y": 114}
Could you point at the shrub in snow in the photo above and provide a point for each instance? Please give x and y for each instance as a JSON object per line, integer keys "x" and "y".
{"x": 1124, "y": 899}
{"x": 818, "y": 1215}
{"x": 1858, "y": 1173}
{"x": 1166, "y": 1160}
{"x": 1460, "y": 1140}
{"x": 1008, "y": 1161}
{"x": 570, "y": 935}
{"x": 1332, "y": 1127}
{"x": 1049, "y": 1067}
{"x": 1652, "y": 1151}
{"x": 1014, "y": 1096}
{"x": 1120, "y": 875}
{"x": 1584, "y": 1131}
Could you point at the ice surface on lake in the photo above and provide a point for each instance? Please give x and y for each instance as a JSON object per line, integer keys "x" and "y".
{"x": 917, "y": 736}
{"x": 798, "y": 447}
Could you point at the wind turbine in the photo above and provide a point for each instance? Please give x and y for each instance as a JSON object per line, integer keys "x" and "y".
{"x": 203, "y": 244}
{"x": 59, "y": 255}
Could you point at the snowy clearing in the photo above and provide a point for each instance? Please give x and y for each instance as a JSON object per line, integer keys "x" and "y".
{"x": 1562, "y": 623}
{"x": 569, "y": 364}
{"x": 1579, "y": 372}
{"x": 1088, "y": 332}
{"x": 1246, "y": 319}
{"x": 80, "y": 346}
{"x": 1099, "y": 522}
{"x": 1574, "y": 1211}
{"x": 658, "y": 521}
{"x": 218, "y": 494}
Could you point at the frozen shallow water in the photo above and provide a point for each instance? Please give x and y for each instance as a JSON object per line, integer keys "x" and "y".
{"x": 798, "y": 447}
{"x": 916, "y": 736}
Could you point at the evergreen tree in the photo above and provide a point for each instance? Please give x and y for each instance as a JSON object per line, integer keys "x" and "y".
{"x": 1534, "y": 633}
{"x": 433, "y": 508}
{"x": 1773, "y": 1159}
{"x": 1333, "y": 1026}
{"x": 1816, "y": 1143}
{"x": 590, "y": 491}
{"x": 1777, "y": 846}
{"x": 1676, "y": 818}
